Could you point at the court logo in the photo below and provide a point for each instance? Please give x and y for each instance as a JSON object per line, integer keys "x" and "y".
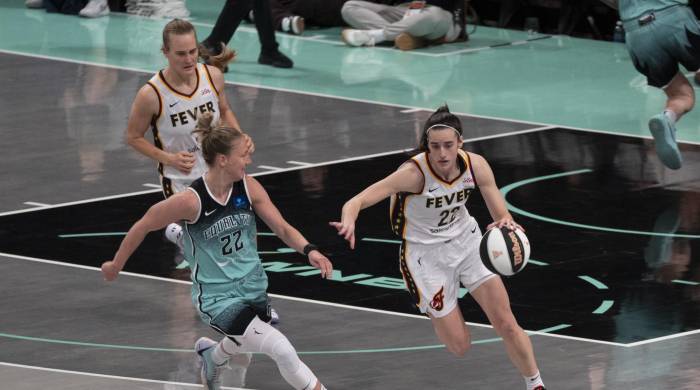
{"x": 438, "y": 300}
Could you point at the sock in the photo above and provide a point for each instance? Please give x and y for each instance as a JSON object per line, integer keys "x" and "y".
{"x": 223, "y": 351}
{"x": 533, "y": 381}
{"x": 672, "y": 116}
{"x": 378, "y": 35}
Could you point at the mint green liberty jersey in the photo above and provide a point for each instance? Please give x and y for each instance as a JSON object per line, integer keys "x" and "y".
{"x": 632, "y": 9}
{"x": 221, "y": 245}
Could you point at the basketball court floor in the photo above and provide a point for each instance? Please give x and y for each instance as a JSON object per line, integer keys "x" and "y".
{"x": 611, "y": 296}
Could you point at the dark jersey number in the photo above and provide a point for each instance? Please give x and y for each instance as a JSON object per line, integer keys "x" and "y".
{"x": 448, "y": 214}
{"x": 231, "y": 240}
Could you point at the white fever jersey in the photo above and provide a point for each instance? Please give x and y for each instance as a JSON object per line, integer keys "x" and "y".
{"x": 438, "y": 213}
{"x": 177, "y": 117}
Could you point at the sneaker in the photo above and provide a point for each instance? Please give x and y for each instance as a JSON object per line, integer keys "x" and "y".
{"x": 358, "y": 38}
{"x": 34, "y": 3}
{"x": 405, "y": 41}
{"x": 95, "y": 9}
{"x": 274, "y": 317}
{"x": 293, "y": 25}
{"x": 174, "y": 233}
{"x": 276, "y": 59}
{"x": 210, "y": 372}
{"x": 664, "y": 134}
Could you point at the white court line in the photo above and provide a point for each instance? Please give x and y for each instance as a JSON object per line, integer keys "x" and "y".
{"x": 37, "y": 204}
{"x": 78, "y": 202}
{"x": 664, "y": 338}
{"x": 151, "y": 185}
{"x": 410, "y": 110}
{"x": 300, "y": 163}
{"x": 270, "y": 167}
{"x": 349, "y": 99}
{"x": 126, "y": 378}
{"x": 278, "y": 170}
{"x": 311, "y": 301}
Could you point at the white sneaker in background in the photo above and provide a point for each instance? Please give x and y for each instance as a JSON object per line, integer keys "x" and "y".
{"x": 274, "y": 317}
{"x": 173, "y": 233}
{"x": 293, "y": 25}
{"x": 34, "y": 3}
{"x": 95, "y": 9}
{"x": 357, "y": 37}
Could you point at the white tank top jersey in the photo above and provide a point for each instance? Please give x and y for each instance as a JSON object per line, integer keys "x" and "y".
{"x": 177, "y": 117}
{"x": 438, "y": 213}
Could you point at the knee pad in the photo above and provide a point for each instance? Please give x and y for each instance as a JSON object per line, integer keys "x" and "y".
{"x": 261, "y": 337}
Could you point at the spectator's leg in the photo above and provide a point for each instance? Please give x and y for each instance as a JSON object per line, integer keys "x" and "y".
{"x": 370, "y": 16}
{"x": 269, "y": 54}
{"x": 226, "y": 24}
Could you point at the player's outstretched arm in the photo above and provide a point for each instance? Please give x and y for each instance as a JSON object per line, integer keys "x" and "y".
{"x": 407, "y": 178}
{"x": 182, "y": 206}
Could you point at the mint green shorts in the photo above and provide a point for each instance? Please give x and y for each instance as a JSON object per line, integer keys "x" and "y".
{"x": 659, "y": 41}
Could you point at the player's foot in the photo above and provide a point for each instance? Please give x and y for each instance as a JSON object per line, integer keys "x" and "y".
{"x": 664, "y": 134}
{"x": 174, "y": 233}
{"x": 210, "y": 372}
{"x": 357, "y": 37}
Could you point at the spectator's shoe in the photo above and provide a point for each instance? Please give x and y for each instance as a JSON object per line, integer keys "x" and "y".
{"x": 293, "y": 25}
{"x": 275, "y": 58}
{"x": 210, "y": 372}
{"x": 354, "y": 37}
{"x": 95, "y": 9}
{"x": 664, "y": 134}
{"x": 34, "y": 3}
{"x": 250, "y": 17}
{"x": 405, "y": 41}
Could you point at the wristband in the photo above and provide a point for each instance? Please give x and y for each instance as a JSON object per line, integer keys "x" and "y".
{"x": 308, "y": 248}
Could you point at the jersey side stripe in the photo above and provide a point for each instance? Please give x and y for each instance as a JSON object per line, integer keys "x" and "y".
{"x": 160, "y": 101}
{"x": 211, "y": 83}
{"x": 407, "y": 277}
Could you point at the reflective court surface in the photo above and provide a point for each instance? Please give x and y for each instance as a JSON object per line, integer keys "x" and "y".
{"x": 610, "y": 296}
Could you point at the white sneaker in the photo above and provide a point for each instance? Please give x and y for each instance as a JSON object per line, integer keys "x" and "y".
{"x": 293, "y": 25}
{"x": 274, "y": 317}
{"x": 34, "y": 3}
{"x": 357, "y": 37}
{"x": 174, "y": 233}
{"x": 95, "y": 9}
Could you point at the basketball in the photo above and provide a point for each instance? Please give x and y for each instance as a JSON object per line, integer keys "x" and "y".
{"x": 504, "y": 251}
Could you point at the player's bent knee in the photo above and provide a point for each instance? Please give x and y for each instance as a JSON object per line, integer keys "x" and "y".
{"x": 507, "y": 328}
{"x": 262, "y": 337}
{"x": 459, "y": 348}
